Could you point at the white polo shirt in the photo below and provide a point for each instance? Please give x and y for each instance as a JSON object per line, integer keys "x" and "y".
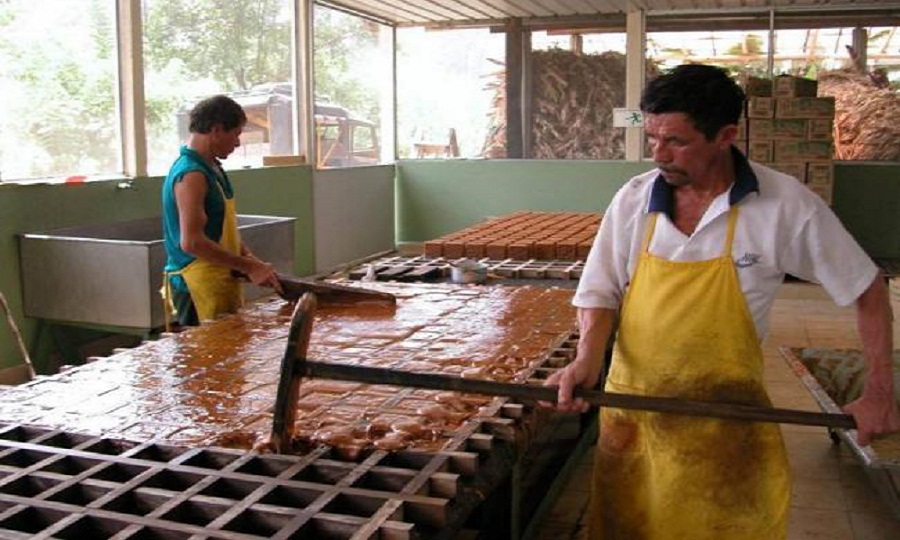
{"x": 782, "y": 227}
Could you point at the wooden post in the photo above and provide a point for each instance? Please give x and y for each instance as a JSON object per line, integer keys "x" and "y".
{"x": 514, "y": 42}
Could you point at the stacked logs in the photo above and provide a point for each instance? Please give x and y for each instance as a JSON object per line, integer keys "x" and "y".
{"x": 573, "y": 96}
{"x": 867, "y": 117}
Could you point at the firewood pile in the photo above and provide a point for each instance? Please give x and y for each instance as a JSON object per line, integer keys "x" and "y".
{"x": 573, "y": 96}
{"x": 867, "y": 118}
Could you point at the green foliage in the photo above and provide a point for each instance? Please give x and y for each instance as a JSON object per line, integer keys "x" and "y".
{"x": 240, "y": 43}
{"x": 341, "y": 41}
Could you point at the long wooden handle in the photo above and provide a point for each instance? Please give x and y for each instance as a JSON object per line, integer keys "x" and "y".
{"x": 527, "y": 392}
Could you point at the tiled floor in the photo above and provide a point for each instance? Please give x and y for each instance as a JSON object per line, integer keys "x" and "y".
{"x": 832, "y": 499}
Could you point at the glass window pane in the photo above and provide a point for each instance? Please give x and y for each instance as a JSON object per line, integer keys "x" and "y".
{"x": 353, "y": 88}
{"x": 197, "y": 48}
{"x": 58, "y": 86}
{"x": 449, "y": 80}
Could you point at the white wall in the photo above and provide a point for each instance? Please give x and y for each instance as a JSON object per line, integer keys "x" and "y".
{"x": 353, "y": 211}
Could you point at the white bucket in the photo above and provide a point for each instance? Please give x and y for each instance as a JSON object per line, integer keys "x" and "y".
{"x": 467, "y": 271}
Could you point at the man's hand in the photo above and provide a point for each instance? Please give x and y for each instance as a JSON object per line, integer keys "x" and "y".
{"x": 262, "y": 273}
{"x": 577, "y": 374}
{"x": 875, "y": 412}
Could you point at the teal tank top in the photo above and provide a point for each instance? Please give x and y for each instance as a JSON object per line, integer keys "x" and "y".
{"x": 214, "y": 204}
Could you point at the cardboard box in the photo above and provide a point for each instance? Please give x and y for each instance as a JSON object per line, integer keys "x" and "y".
{"x": 757, "y": 86}
{"x": 804, "y": 107}
{"x": 760, "y": 129}
{"x": 820, "y": 129}
{"x": 759, "y": 150}
{"x": 822, "y": 191}
{"x": 789, "y": 86}
{"x": 796, "y": 169}
{"x": 820, "y": 174}
{"x": 803, "y": 151}
{"x": 761, "y": 107}
{"x": 742, "y": 129}
{"x": 778, "y": 129}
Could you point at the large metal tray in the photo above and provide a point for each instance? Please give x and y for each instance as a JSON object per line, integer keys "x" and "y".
{"x": 882, "y": 469}
{"x": 110, "y": 273}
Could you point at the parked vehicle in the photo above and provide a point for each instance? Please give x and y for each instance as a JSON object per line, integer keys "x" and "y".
{"x": 341, "y": 139}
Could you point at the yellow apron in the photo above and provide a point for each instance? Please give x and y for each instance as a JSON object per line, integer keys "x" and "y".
{"x": 686, "y": 332}
{"x": 213, "y": 289}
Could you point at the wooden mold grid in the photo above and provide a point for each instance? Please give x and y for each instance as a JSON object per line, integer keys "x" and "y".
{"x": 547, "y": 236}
{"x": 421, "y": 268}
{"x": 55, "y": 484}
{"x": 59, "y": 485}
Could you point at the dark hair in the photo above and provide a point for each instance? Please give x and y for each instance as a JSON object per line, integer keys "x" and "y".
{"x": 705, "y": 93}
{"x": 216, "y": 110}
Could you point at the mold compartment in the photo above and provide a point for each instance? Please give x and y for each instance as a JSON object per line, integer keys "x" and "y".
{"x": 159, "y": 452}
{"x": 258, "y": 522}
{"x": 79, "y": 494}
{"x": 325, "y": 529}
{"x": 110, "y": 447}
{"x": 136, "y": 503}
{"x": 354, "y": 505}
{"x": 31, "y": 520}
{"x": 23, "y": 433}
{"x": 24, "y": 458}
{"x": 119, "y": 472}
{"x": 290, "y": 497}
{"x": 262, "y": 466}
{"x": 91, "y": 527}
{"x": 385, "y": 479}
{"x": 28, "y": 486}
{"x": 172, "y": 481}
{"x": 229, "y": 488}
{"x": 195, "y": 513}
{"x": 72, "y": 465}
{"x": 159, "y": 533}
{"x": 324, "y": 472}
{"x": 65, "y": 440}
{"x": 207, "y": 459}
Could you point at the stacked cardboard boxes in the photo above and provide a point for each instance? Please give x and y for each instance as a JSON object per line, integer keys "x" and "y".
{"x": 789, "y": 129}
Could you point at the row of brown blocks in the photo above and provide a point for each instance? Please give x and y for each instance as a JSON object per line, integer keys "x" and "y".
{"x": 522, "y": 236}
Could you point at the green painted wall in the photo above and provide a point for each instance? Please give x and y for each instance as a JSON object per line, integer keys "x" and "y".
{"x": 282, "y": 191}
{"x": 867, "y": 199}
{"x": 438, "y": 197}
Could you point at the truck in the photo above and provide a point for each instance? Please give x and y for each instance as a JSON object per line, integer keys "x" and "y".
{"x": 342, "y": 140}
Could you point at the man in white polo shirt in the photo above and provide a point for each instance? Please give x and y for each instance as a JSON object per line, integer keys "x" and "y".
{"x": 688, "y": 259}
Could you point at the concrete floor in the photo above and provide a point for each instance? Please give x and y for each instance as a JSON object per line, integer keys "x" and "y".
{"x": 832, "y": 499}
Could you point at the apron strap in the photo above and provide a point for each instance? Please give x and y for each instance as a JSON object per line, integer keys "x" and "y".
{"x": 167, "y": 299}
{"x": 651, "y": 226}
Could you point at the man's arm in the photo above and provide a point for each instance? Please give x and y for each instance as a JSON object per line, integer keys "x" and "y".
{"x": 189, "y": 196}
{"x": 596, "y": 326}
{"x": 876, "y": 410}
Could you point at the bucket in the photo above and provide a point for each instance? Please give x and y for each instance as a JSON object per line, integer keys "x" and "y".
{"x": 467, "y": 271}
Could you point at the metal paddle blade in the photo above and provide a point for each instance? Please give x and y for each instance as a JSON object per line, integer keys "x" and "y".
{"x": 285, "y": 413}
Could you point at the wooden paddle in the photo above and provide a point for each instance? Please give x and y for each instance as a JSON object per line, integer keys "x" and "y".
{"x": 295, "y": 365}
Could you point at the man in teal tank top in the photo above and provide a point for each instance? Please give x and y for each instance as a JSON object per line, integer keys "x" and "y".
{"x": 202, "y": 244}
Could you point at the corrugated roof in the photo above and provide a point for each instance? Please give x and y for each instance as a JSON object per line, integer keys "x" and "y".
{"x": 545, "y": 12}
